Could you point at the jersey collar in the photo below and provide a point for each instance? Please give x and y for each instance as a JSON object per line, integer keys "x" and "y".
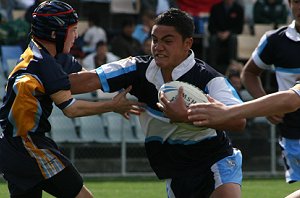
{"x": 292, "y": 33}
{"x": 154, "y": 75}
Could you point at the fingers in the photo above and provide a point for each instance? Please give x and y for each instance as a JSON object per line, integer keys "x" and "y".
{"x": 200, "y": 123}
{"x": 275, "y": 119}
{"x": 160, "y": 106}
{"x": 135, "y": 108}
{"x": 198, "y": 107}
{"x": 125, "y": 91}
{"x": 128, "y": 89}
{"x": 126, "y": 115}
{"x": 163, "y": 98}
{"x": 198, "y": 113}
{"x": 131, "y": 111}
{"x": 180, "y": 91}
{"x": 210, "y": 99}
{"x": 137, "y": 104}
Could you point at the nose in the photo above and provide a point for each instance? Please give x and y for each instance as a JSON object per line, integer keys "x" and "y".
{"x": 158, "y": 46}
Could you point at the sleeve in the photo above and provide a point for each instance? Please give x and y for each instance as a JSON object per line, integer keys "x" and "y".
{"x": 53, "y": 77}
{"x": 263, "y": 54}
{"x": 117, "y": 75}
{"x": 69, "y": 63}
{"x": 296, "y": 88}
{"x": 220, "y": 89}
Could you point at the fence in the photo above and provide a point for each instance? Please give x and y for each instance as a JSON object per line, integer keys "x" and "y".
{"x": 108, "y": 144}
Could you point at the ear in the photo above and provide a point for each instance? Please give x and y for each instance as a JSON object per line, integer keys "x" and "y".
{"x": 53, "y": 34}
{"x": 188, "y": 42}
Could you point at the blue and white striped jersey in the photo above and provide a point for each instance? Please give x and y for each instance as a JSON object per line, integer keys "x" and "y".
{"x": 279, "y": 50}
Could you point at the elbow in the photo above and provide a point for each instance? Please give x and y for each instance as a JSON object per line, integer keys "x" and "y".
{"x": 291, "y": 106}
{"x": 240, "y": 125}
{"x": 70, "y": 113}
{"x": 288, "y": 103}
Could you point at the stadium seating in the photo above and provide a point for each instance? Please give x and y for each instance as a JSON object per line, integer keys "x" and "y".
{"x": 63, "y": 129}
{"x": 10, "y": 54}
{"x": 92, "y": 129}
{"x": 247, "y": 42}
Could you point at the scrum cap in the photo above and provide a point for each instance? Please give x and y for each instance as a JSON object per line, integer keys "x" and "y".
{"x": 52, "y": 16}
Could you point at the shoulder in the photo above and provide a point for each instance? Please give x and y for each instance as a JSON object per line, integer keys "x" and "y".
{"x": 201, "y": 74}
{"x": 68, "y": 63}
{"x": 206, "y": 68}
{"x": 278, "y": 33}
{"x": 144, "y": 59}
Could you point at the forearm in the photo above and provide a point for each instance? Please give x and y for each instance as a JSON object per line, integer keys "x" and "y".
{"x": 84, "y": 81}
{"x": 86, "y": 108}
{"x": 238, "y": 124}
{"x": 279, "y": 102}
{"x": 253, "y": 85}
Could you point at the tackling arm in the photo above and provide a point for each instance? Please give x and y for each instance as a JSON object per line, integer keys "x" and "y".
{"x": 216, "y": 113}
{"x": 84, "y": 81}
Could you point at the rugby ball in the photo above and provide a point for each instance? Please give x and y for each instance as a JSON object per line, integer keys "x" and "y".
{"x": 191, "y": 95}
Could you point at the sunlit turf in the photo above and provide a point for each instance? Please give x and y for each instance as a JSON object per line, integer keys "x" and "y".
{"x": 153, "y": 188}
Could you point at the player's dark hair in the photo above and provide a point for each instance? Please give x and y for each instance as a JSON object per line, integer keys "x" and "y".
{"x": 180, "y": 20}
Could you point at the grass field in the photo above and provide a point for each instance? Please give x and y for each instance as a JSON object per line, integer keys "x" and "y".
{"x": 152, "y": 188}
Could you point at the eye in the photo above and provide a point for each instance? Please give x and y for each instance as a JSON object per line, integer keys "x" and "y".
{"x": 168, "y": 41}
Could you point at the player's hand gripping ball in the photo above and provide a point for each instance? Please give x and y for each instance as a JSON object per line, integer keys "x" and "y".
{"x": 191, "y": 95}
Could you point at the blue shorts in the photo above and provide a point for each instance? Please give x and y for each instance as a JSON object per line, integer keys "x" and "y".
{"x": 226, "y": 170}
{"x": 291, "y": 157}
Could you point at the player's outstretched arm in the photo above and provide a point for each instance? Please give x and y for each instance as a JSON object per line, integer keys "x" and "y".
{"x": 216, "y": 113}
{"x": 177, "y": 111}
{"x": 119, "y": 104}
{"x": 84, "y": 81}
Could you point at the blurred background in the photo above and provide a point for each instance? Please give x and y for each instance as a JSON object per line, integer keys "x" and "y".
{"x": 108, "y": 145}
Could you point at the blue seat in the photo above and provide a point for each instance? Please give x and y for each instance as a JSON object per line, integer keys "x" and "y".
{"x": 10, "y": 54}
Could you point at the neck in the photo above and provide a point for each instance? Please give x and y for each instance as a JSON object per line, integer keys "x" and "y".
{"x": 50, "y": 46}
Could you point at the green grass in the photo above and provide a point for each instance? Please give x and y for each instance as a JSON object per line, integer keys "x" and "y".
{"x": 152, "y": 188}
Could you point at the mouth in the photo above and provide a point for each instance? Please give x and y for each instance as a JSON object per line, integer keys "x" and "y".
{"x": 160, "y": 56}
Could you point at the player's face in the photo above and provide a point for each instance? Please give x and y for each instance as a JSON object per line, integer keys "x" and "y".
{"x": 295, "y": 8}
{"x": 72, "y": 34}
{"x": 168, "y": 48}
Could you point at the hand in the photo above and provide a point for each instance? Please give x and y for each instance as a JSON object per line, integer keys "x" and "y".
{"x": 208, "y": 114}
{"x": 275, "y": 119}
{"x": 124, "y": 106}
{"x": 176, "y": 110}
